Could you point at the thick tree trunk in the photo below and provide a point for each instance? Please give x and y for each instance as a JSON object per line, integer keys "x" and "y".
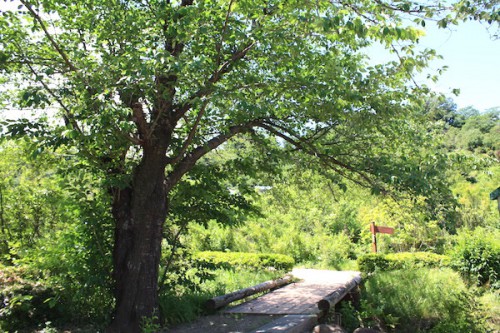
{"x": 139, "y": 213}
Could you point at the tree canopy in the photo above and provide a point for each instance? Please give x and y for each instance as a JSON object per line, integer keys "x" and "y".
{"x": 145, "y": 89}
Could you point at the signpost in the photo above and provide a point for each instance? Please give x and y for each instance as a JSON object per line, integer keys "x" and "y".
{"x": 383, "y": 230}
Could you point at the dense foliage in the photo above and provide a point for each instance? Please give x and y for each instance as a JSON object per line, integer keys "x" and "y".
{"x": 370, "y": 263}
{"x": 56, "y": 240}
{"x": 27, "y": 303}
{"x": 253, "y": 261}
{"x": 171, "y": 121}
{"x": 475, "y": 255}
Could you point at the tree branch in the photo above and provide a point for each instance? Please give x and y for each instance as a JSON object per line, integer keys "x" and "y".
{"x": 420, "y": 10}
{"x": 139, "y": 119}
{"x": 191, "y": 134}
{"x": 326, "y": 160}
{"x": 216, "y": 76}
{"x": 401, "y": 61}
{"x": 218, "y": 46}
{"x": 68, "y": 116}
{"x": 49, "y": 36}
{"x": 189, "y": 161}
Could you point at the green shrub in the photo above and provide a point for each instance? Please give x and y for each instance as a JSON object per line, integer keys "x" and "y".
{"x": 211, "y": 237}
{"x": 476, "y": 255}
{"x": 185, "y": 274}
{"x": 349, "y": 315}
{"x": 247, "y": 260}
{"x": 370, "y": 263}
{"x": 405, "y": 260}
{"x": 334, "y": 250}
{"x": 490, "y": 300}
{"x": 73, "y": 264}
{"x": 420, "y": 300}
{"x": 26, "y": 303}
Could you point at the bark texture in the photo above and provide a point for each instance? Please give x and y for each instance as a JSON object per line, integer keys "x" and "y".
{"x": 139, "y": 213}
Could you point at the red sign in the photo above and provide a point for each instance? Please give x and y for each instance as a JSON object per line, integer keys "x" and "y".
{"x": 383, "y": 230}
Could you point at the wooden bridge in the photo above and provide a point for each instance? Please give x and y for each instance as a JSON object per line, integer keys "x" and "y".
{"x": 303, "y": 302}
{"x": 294, "y": 308}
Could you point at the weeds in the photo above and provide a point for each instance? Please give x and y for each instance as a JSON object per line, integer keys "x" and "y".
{"x": 186, "y": 305}
{"x": 421, "y": 300}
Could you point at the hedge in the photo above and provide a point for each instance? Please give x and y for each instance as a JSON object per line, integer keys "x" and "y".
{"x": 370, "y": 263}
{"x": 229, "y": 260}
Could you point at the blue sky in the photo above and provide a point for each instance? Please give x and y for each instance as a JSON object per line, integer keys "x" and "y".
{"x": 473, "y": 58}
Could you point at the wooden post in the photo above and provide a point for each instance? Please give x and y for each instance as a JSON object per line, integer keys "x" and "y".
{"x": 374, "y": 237}
{"x": 374, "y": 229}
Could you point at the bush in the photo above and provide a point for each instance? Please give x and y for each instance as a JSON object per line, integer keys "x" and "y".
{"x": 25, "y": 303}
{"x": 476, "y": 256}
{"x": 406, "y": 260}
{"x": 420, "y": 300}
{"x": 175, "y": 309}
{"x": 256, "y": 261}
{"x": 73, "y": 264}
{"x": 184, "y": 273}
{"x": 334, "y": 250}
{"x": 370, "y": 263}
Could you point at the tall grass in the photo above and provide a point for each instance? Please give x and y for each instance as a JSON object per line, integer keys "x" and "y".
{"x": 491, "y": 302}
{"x": 421, "y": 300}
{"x": 187, "y": 304}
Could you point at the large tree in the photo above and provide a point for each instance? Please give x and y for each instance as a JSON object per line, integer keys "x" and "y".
{"x": 146, "y": 88}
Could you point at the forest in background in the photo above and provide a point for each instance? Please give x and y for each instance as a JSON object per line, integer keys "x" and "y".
{"x": 301, "y": 205}
{"x": 56, "y": 231}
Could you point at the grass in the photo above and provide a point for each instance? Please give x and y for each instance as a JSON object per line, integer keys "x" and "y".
{"x": 189, "y": 304}
{"x": 228, "y": 280}
{"x": 490, "y": 300}
{"x": 421, "y": 300}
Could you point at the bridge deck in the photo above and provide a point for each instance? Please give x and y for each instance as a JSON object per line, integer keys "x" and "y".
{"x": 301, "y": 297}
